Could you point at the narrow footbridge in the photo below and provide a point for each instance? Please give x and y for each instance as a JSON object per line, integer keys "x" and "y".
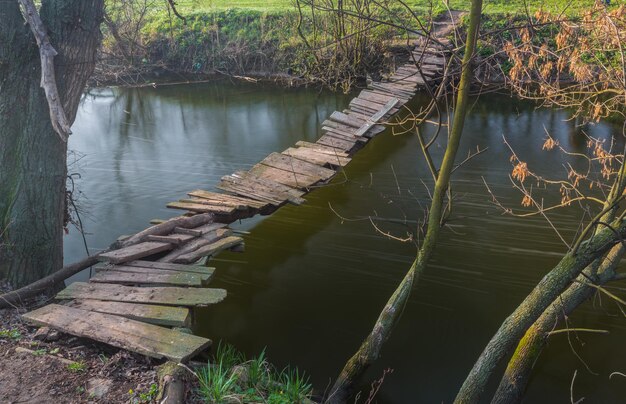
{"x": 141, "y": 297}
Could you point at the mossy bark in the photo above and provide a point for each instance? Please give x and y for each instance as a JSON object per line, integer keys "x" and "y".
{"x": 519, "y": 369}
{"x": 534, "y": 305}
{"x": 32, "y": 157}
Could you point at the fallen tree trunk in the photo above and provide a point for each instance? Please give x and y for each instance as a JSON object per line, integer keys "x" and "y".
{"x": 16, "y": 297}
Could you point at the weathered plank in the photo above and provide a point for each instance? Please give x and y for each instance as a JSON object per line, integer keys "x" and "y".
{"x": 269, "y": 183}
{"x": 372, "y": 106}
{"x": 168, "y": 226}
{"x": 198, "y": 269}
{"x": 190, "y": 232}
{"x": 134, "y": 252}
{"x": 344, "y": 119}
{"x": 335, "y": 142}
{"x": 136, "y": 336}
{"x": 376, "y": 117}
{"x": 325, "y": 149}
{"x": 380, "y": 98}
{"x": 206, "y": 239}
{"x": 249, "y": 191}
{"x": 175, "y": 239}
{"x": 148, "y": 313}
{"x": 202, "y": 208}
{"x": 169, "y": 296}
{"x": 316, "y": 157}
{"x": 152, "y": 277}
{"x": 393, "y": 89}
{"x": 293, "y": 164}
{"x": 292, "y": 179}
{"x": 228, "y": 199}
{"x": 204, "y": 277}
{"x": 211, "y": 249}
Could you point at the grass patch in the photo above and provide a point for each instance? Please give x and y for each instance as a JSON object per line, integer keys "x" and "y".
{"x": 490, "y": 6}
{"x": 12, "y": 333}
{"x": 77, "y": 367}
{"x": 230, "y": 375}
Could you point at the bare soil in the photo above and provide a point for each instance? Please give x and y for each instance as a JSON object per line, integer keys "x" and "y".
{"x": 66, "y": 369}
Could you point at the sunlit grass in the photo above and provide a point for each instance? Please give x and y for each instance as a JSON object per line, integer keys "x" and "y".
{"x": 490, "y": 6}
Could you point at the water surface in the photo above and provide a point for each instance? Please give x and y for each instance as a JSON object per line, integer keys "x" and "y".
{"x": 314, "y": 278}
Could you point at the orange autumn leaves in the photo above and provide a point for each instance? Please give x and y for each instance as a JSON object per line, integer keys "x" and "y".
{"x": 600, "y": 170}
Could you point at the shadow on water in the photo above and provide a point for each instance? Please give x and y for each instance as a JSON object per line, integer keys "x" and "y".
{"x": 311, "y": 283}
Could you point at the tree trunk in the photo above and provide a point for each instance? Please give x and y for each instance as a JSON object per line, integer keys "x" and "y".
{"x": 32, "y": 157}
{"x": 518, "y": 372}
{"x": 370, "y": 348}
{"x": 540, "y": 298}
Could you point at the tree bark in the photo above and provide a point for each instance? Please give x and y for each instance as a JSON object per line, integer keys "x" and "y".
{"x": 540, "y": 298}
{"x": 32, "y": 157}
{"x": 370, "y": 348}
{"x": 518, "y": 372}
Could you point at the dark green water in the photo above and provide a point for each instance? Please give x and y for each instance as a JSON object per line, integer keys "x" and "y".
{"x": 311, "y": 284}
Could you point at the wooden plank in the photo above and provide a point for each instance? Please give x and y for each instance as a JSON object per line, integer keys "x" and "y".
{"x": 169, "y": 296}
{"x": 295, "y": 165}
{"x": 335, "y": 142}
{"x": 199, "y": 269}
{"x": 268, "y": 183}
{"x": 211, "y": 249}
{"x": 250, "y": 192}
{"x": 168, "y": 226}
{"x": 206, "y": 239}
{"x": 371, "y": 105}
{"x": 214, "y": 196}
{"x": 344, "y": 119}
{"x": 202, "y": 208}
{"x": 136, "y": 336}
{"x": 376, "y": 117}
{"x": 393, "y": 90}
{"x": 322, "y": 148}
{"x": 316, "y": 157}
{"x": 389, "y": 89}
{"x": 148, "y": 313}
{"x": 340, "y": 133}
{"x": 134, "y": 252}
{"x": 202, "y": 201}
{"x": 191, "y": 232}
{"x": 174, "y": 239}
{"x": 150, "y": 277}
{"x": 291, "y": 179}
{"x": 262, "y": 188}
{"x": 205, "y": 277}
{"x": 381, "y": 98}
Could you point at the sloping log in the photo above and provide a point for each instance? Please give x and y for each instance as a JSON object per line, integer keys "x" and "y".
{"x": 167, "y": 227}
{"x": 15, "y": 298}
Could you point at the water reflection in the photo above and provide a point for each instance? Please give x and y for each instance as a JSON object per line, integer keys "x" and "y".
{"x": 310, "y": 284}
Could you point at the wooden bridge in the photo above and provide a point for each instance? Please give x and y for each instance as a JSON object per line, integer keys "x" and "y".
{"x": 145, "y": 289}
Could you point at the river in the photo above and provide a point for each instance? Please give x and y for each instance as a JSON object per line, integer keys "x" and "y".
{"x": 313, "y": 278}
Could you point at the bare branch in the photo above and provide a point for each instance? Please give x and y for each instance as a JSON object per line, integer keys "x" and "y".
{"x": 48, "y": 79}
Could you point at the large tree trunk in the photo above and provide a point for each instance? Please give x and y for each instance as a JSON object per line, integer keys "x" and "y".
{"x": 32, "y": 157}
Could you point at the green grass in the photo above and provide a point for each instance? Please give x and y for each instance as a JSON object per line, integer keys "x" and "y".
{"x": 12, "y": 333}
{"x": 490, "y": 6}
{"x": 230, "y": 375}
{"x": 76, "y": 367}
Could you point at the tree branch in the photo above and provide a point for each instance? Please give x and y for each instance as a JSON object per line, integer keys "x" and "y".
{"x": 59, "y": 120}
